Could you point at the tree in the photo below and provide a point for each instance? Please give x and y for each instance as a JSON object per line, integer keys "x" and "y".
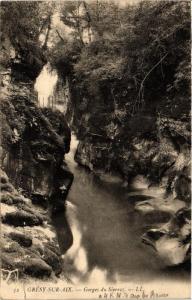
{"x": 75, "y": 15}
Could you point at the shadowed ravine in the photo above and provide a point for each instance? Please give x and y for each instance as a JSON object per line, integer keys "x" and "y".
{"x": 108, "y": 215}
{"x": 103, "y": 229}
{"x": 107, "y": 231}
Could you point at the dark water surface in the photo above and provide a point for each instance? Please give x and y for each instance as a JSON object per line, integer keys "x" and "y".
{"x": 107, "y": 232}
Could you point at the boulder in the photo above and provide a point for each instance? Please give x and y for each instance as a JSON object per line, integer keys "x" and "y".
{"x": 39, "y": 199}
{"x": 182, "y": 188}
{"x": 52, "y": 260}
{"x": 14, "y": 199}
{"x": 171, "y": 241}
{"x": 7, "y": 199}
{"x": 3, "y": 177}
{"x": 21, "y": 218}
{"x": 7, "y": 187}
{"x": 37, "y": 268}
{"x": 22, "y": 239}
{"x": 7, "y": 262}
{"x": 169, "y": 206}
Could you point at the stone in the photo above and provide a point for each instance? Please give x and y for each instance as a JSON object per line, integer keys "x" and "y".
{"x": 39, "y": 199}
{"x": 37, "y": 268}
{"x": 53, "y": 260}
{"x": 12, "y": 199}
{"x": 21, "y": 218}
{"x": 183, "y": 188}
{"x": 7, "y": 262}
{"x": 3, "y": 177}
{"x": 171, "y": 241}
{"x": 7, "y": 187}
{"x": 22, "y": 239}
{"x": 7, "y": 199}
{"x": 170, "y": 250}
{"x": 10, "y": 246}
{"x": 170, "y": 206}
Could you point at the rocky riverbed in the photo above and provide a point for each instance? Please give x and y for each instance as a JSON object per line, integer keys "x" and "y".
{"x": 125, "y": 92}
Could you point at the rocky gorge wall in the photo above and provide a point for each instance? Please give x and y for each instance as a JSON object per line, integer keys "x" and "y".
{"x": 154, "y": 142}
{"x": 35, "y": 179}
{"x": 130, "y": 101}
{"x": 159, "y": 160}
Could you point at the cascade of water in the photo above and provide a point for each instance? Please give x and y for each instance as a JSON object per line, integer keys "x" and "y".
{"x": 45, "y": 84}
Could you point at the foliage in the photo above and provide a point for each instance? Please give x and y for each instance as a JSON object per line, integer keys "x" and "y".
{"x": 141, "y": 53}
{"x": 23, "y": 23}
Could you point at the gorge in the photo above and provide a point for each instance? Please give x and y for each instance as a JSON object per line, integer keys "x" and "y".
{"x": 95, "y": 147}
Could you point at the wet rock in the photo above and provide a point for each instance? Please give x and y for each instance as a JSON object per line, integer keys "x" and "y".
{"x": 38, "y": 249}
{"x": 10, "y": 246}
{"x": 140, "y": 182}
{"x": 11, "y": 199}
{"x": 53, "y": 260}
{"x": 7, "y": 262}
{"x": 21, "y": 218}
{"x": 170, "y": 250}
{"x": 22, "y": 239}
{"x": 64, "y": 233}
{"x": 169, "y": 206}
{"x": 183, "y": 188}
{"x": 7, "y": 199}
{"x": 61, "y": 185}
{"x": 172, "y": 240}
{"x": 55, "y": 249}
{"x": 39, "y": 199}
{"x": 37, "y": 268}
{"x": 3, "y": 177}
{"x": 7, "y": 187}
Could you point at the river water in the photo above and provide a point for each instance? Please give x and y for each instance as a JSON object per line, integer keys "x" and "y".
{"x": 107, "y": 231}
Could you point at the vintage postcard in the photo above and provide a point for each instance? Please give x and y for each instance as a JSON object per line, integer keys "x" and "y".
{"x": 95, "y": 149}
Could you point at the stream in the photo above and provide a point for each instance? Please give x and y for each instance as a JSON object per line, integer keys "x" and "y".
{"x": 102, "y": 226}
{"x": 107, "y": 231}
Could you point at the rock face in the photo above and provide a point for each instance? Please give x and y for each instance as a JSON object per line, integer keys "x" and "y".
{"x": 155, "y": 147}
{"x": 28, "y": 239}
{"x": 172, "y": 240}
{"x": 35, "y": 179}
{"x": 153, "y": 142}
{"x": 152, "y": 153}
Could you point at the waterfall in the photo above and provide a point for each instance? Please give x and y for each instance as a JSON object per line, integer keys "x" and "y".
{"x": 45, "y": 84}
{"x": 52, "y": 91}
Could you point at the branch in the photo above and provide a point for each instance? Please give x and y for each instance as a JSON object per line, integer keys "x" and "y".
{"x": 88, "y": 20}
{"x": 59, "y": 35}
{"x": 95, "y": 134}
{"x": 47, "y": 34}
{"x": 137, "y": 102}
{"x": 151, "y": 70}
{"x": 43, "y": 25}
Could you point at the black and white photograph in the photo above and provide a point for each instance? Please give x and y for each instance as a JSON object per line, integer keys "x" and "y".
{"x": 95, "y": 149}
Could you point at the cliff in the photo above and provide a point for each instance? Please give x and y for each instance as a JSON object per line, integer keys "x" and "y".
{"x": 35, "y": 179}
{"x": 130, "y": 100}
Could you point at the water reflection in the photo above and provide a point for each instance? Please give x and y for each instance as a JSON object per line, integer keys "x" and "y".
{"x": 107, "y": 233}
{"x": 63, "y": 230}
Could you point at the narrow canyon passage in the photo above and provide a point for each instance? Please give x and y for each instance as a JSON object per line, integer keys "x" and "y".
{"x": 107, "y": 231}
{"x": 95, "y": 154}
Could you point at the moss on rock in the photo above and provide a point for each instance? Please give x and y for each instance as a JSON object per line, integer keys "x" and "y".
{"x": 21, "y": 218}
{"x": 22, "y": 239}
{"x": 37, "y": 268}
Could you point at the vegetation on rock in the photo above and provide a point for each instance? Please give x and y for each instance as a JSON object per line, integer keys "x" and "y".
{"x": 130, "y": 85}
{"x": 33, "y": 144}
{"x": 129, "y": 82}
{"x": 130, "y": 96}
